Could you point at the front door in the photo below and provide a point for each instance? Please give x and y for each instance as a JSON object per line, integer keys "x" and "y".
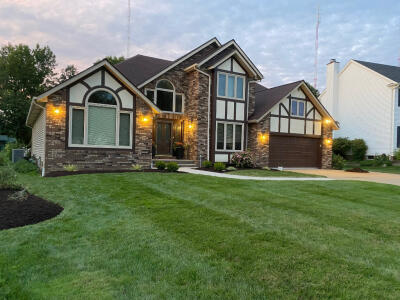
{"x": 163, "y": 139}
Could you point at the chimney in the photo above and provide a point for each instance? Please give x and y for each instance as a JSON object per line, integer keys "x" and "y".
{"x": 332, "y": 88}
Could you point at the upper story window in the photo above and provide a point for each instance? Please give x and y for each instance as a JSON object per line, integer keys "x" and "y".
{"x": 297, "y": 108}
{"x": 165, "y": 97}
{"x": 230, "y": 86}
{"x": 100, "y": 123}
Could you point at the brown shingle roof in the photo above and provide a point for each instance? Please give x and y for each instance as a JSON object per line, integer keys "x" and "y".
{"x": 140, "y": 67}
{"x": 267, "y": 98}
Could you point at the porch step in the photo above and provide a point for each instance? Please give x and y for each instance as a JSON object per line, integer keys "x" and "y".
{"x": 181, "y": 162}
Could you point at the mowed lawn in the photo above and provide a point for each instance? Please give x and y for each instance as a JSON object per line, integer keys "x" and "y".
{"x": 270, "y": 173}
{"x": 152, "y": 235}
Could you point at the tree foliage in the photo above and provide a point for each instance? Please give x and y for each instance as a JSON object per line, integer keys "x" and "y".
{"x": 112, "y": 59}
{"x": 24, "y": 73}
{"x": 67, "y": 73}
{"x": 313, "y": 90}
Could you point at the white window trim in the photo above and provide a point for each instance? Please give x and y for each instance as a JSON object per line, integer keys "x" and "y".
{"x": 296, "y": 114}
{"x": 234, "y": 135}
{"x": 85, "y": 123}
{"x": 234, "y": 86}
{"x": 173, "y": 98}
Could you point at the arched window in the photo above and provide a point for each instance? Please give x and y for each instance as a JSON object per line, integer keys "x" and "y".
{"x": 165, "y": 97}
{"x": 101, "y": 123}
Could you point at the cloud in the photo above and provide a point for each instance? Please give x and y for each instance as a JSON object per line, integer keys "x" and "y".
{"x": 277, "y": 35}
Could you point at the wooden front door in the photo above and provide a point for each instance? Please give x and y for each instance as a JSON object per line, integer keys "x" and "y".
{"x": 163, "y": 138}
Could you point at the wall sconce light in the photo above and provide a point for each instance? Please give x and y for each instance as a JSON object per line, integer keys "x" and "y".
{"x": 145, "y": 119}
{"x": 190, "y": 126}
{"x": 328, "y": 121}
{"x": 328, "y": 141}
{"x": 56, "y": 111}
{"x": 263, "y": 137}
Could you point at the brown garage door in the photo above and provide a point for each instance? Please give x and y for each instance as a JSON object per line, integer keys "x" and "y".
{"x": 295, "y": 152}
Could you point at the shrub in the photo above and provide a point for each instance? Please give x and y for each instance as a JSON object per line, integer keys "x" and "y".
{"x": 341, "y": 146}
{"x": 380, "y": 160}
{"x": 359, "y": 149}
{"x": 396, "y": 154}
{"x": 136, "y": 167}
{"x": 160, "y": 165}
{"x": 219, "y": 166}
{"x": 243, "y": 160}
{"x": 172, "y": 166}
{"x": 231, "y": 168}
{"x": 70, "y": 168}
{"x": 338, "y": 162}
{"x": 24, "y": 166}
{"x": 3, "y": 158}
{"x": 8, "y": 178}
{"x": 207, "y": 164}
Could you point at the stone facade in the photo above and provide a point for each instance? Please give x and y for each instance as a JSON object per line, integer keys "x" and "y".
{"x": 58, "y": 154}
{"x": 258, "y": 141}
{"x": 326, "y": 162}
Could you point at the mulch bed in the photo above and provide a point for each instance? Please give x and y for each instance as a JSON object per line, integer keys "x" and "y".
{"x": 17, "y": 213}
{"x": 357, "y": 170}
{"x": 67, "y": 173}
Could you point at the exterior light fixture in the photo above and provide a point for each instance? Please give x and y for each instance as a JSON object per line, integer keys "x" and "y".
{"x": 190, "y": 126}
{"x": 56, "y": 111}
{"x": 328, "y": 121}
{"x": 328, "y": 141}
{"x": 145, "y": 119}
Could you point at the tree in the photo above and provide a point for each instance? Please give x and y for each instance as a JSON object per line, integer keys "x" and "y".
{"x": 67, "y": 73}
{"x": 313, "y": 90}
{"x": 112, "y": 59}
{"x": 24, "y": 73}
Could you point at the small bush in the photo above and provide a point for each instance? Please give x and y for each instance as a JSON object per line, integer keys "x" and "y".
{"x": 172, "y": 166}
{"x": 136, "y": 167}
{"x": 19, "y": 196}
{"x": 359, "y": 149}
{"x": 341, "y": 146}
{"x": 243, "y": 160}
{"x": 24, "y": 166}
{"x": 207, "y": 164}
{"x": 396, "y": 154}
{"x": 160, "y": 165}
{"x": 380, "y": 160}
{"x": 3, "y": 158}
{"x": 338, "y": 162}
{"x": 8, "y": 178}
{"x": 219, "y": 166}
{"x": 231, "y": 168}
{"x": 70, "y": 168}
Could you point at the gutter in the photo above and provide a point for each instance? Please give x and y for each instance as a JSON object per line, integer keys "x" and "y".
{"x": 194, "y": 67}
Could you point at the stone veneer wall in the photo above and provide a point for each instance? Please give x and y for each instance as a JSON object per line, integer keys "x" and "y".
{"x": 58, "y": 155}
{"x": 258, "y": 146}
{"x": 252, "y": 98}
{"x": 326, "y": 162}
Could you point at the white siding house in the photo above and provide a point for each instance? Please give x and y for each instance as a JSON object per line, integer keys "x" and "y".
{"x": 364, "y": 99}
{"x": 38, "y": 138}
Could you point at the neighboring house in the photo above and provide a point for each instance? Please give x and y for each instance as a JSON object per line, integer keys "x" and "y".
{"x": 364, "y": 98}
{"x": 110, "y": 117}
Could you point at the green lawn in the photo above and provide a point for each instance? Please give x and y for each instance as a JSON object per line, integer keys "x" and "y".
{"x": 391, "y": 169}
{"x": 268, "y": 173}
{"x": 152, "y": 235}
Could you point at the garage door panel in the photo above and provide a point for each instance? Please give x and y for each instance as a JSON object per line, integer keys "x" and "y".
{"x": 295, "y": 152}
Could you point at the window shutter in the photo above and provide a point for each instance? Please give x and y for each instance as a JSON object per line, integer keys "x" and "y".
{"x": 101, "y": 125}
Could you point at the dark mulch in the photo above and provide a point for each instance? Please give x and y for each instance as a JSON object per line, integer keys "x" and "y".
{"x": 357, "y": 170}
{"x": 14, "y": 213}
{"x": 67, "y": 173}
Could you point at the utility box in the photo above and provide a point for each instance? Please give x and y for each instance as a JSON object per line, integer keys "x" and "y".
{"x": 17, "y": 154}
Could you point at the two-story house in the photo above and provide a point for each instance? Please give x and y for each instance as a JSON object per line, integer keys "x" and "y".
{"x": 110, "y": 117}
{"x": 364, "y": 98}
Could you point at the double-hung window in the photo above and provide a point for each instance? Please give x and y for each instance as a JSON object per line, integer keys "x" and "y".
{"x": 100, "y": 123}
{"x": 229, "y": 136}
{"x": 230, "y": 86}
{"x": 298, "y": 108}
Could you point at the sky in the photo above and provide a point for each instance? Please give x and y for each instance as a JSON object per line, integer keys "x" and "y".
{"x": 278, "y": 36}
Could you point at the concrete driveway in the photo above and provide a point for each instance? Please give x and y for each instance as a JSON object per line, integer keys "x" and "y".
{"x": 342, "y": 175}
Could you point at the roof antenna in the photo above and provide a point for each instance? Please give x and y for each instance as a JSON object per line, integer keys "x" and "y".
{"x": 129, "y": 30}
{"x": 316, "y": 51}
